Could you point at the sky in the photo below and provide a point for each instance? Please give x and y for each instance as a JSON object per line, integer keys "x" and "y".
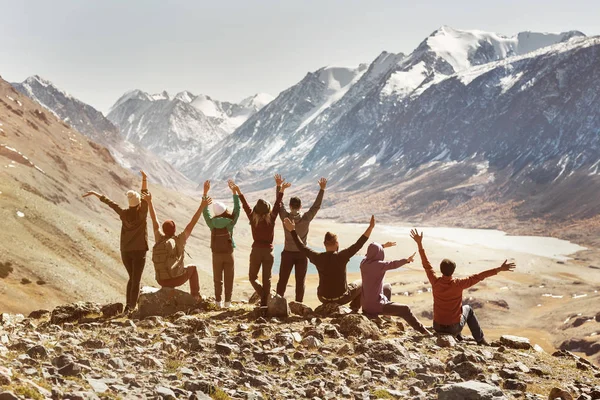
{"x": 232, "y": 49}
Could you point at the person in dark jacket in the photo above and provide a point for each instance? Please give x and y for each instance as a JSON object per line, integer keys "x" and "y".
{"x": 291, "y": 257}
{"x": 222, "y": 243}
{"x": 262, "y": 222}
{"x": 331, "y": 266}
{"x": 134, "y": 237}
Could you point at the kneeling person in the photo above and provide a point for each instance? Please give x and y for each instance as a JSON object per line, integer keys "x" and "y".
{"x": 331, "y": 265}
{"x": 169, "y": 251}
{"x": 376, "y": 297}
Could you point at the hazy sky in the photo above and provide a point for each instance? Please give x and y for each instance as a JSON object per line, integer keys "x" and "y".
{"x": 97, "y": 50}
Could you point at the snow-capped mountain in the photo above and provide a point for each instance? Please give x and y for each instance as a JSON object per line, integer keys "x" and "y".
{"x": 92, "y": 123}
{"x": 183, "y": 126}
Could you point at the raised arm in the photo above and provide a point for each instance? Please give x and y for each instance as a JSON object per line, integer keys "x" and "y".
{"x": 155, "y": 225}
{"x": 352, "y": 250}
{"x": 312, "y": 211}
{"x": 106, "y": 201}
{"x": 206, "y": 213}
{"x": 190, "y": 227}
{"x": 309, "y": 253}
{"x": 418, "y": 238}
{"x": 283, "y": 212}
{"x": 279, "y": 200}
{"x": 473, "y": 279}
{"x": 236, "y": 200}
{"x": 245, "y": 205}
{"x": 144, "y": 182}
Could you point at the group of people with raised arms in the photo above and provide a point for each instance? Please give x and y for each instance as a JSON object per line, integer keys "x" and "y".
{"x": 370, "y": 293}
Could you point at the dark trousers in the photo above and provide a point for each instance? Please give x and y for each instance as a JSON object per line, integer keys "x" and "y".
{"x": 467, "y": 318}
{"x": 351, "y": 296}
{"x": 400, "y": 310}
{"x": 289, "y": 261}
{"x": 190, "y": 274}
{"x": 261, "y": 257}
{"x": 134, "y": 262}
{"x": 223, "y": 266}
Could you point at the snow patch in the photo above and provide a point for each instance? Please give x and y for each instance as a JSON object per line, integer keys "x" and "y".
{"x": 404, "y": 82}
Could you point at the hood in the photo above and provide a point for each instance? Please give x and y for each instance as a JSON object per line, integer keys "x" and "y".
{"x": 375, "y": 253}
{"x": 221, "y": 222}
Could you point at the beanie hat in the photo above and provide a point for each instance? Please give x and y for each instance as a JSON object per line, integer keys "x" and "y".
{"x": 169, "y": 227}
{"x": 219, "y": 208}
{"x": 133, "y": 198}
{"x": 262, "y": 207}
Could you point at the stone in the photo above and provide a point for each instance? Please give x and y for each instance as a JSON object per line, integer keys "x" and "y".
{"x": 38, "y": 351}
{"x": 5, "y": 376}
{"x": 70, "y": 369}
{"x": 93, "y": 344}
{"x": 358, "y": 326}
{"x": 227, "y": 349}
{"x": 332, "y": 310}
{"x": 446, "y": 341}
{"x": 112, "y": 310}
{"x": 468, "y": 370}
{"x": 300, "y": 309}
{"x": 73, "y": 312}
{"x": 164, "y": 302}
{"x": 38, "y": 314}
{"x": 514, "y": 384}
{"x": 97, "y": 385}
{"x": 558, "y": 393}
{"x": 278, "y": 307}
{"x": 515, "y": 342}
{"x": 8, "y": 396}
{"x": 62, "y": 360}
{"x": 311, "y": 343}
{"x": 165, "y": 393}
{"x": 470, "y": 390}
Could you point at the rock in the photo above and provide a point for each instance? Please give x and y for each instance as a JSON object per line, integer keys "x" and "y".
{"x": 163, "y": 302}
{"x": 227, "y": 349}
{"x": 514, "y": 384}
{"x": 70, "y": 369}
{"x": 359, "y": 326}
{"x": 471, "y": 390}
{"x": 194, "y": 324}
{"x": 598, "y": 317}
{"x": 73, "y": 312}
{"x": 332, "y": 310}
{"x": 515, "y": 342}
{"x": 446, "y": 341}
{"x": 93, "y": 344}
{"x": 311, "y": 343}
{"x": 116, "y": 363}
{"x": 500, "y": 303}
{"x": 278, "y": 307}
{"x": 468, "y": 370}
{"x": 579, "y": 321}
{"x": 5, "y": 376}
{"x": 165, "y": 393}
{"x": 112, "y": 310}
{"x": 254, "y": 299}
{"x": 558, "y": 393}
{"x": 300, "y": 309}
{"x": 38, "y": 314}
{"x": 97, "y": 385}
{"x": 38, "y": 351}
{"x": 8, "y": 396}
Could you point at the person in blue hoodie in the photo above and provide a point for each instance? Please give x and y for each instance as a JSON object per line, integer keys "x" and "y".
{"x": 376, "y": 297}
{"x": 222, "y": 243}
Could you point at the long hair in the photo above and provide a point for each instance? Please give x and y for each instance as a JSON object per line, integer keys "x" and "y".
{"x": 226, "y": 214}
{"x": 256, "y": 218}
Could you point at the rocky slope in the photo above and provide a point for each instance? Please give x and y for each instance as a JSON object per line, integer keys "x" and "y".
{"x": 183, "y": 126}
{"x": 92, "y": 123}
{"x": 87, "y": 351}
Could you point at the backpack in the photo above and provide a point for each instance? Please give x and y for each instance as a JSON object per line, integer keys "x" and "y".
{"x": 168, "y": 261}
{"x": 220, "y": 241}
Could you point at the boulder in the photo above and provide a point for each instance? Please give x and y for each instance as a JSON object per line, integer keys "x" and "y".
{"x": 278, "y": 307}
{"x": 359, "y": 326}
{"x": 470, "y": 390}
{"x": 332, "y": 310}
{"x": 163, "y": 302}
{"x": 37, "y": 314}
{"x": 558, "y": 393}
{"x": 74, "y": 312}
{"x": 112, "y": 310}
{"x": 467, "y": 370}
{"x": 446, "y": 341}
{"x": 300, "y": 309}
{"x": 311, "y": 343}
{"x": 515, "y": 342}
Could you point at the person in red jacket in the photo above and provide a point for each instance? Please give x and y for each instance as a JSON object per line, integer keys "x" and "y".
{"x": 449, "y": 315}
{"x": 262, "y": 222}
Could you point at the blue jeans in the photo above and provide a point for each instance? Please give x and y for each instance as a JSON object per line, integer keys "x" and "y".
{"x": 467, "y": 318}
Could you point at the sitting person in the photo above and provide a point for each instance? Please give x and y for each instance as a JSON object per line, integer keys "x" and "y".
{"x": 449, "y": 315}
{"x": 169, "y": 251}
{"x": 331, "y": 266}
{"x": 376, "y": 297}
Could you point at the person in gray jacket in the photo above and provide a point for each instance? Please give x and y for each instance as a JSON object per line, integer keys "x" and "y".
{"x": 291, "y": 257}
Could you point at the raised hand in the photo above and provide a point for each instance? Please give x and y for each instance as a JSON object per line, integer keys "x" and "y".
{"x": 206, "y": 187}
{"x": 147, "y": 197}
{"x": 388, "y": 244}
{"x": 372, "y": 223}
{"x": 323, "y": 183}
{"x": 234, "y": 188}
{"x": 91, "y": 193}
{"x": 506, "y": 266}
{"x": 144, "y": 176}
{"x": 289, "y": 224}
{"x": 411, "y": 258}
{"x": 278, "y": 179}
{"x": 285, "y": 185}
{"x": 206, "y": 201}
{"x": 414, "y": 234}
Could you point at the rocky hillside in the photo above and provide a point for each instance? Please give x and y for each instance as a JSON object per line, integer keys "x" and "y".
{"x": 56, "y": 246}
{"x": 92, "y": 123}
{"x": 86, "y": 351}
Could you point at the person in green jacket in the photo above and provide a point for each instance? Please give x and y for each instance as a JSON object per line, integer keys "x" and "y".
{"x": 222, "y": 243}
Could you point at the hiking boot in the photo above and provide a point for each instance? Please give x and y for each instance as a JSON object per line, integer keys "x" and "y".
{"x": 227, "y": 304}
{"x": 219, "y": 304}
{"x": 483, "y": 342}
